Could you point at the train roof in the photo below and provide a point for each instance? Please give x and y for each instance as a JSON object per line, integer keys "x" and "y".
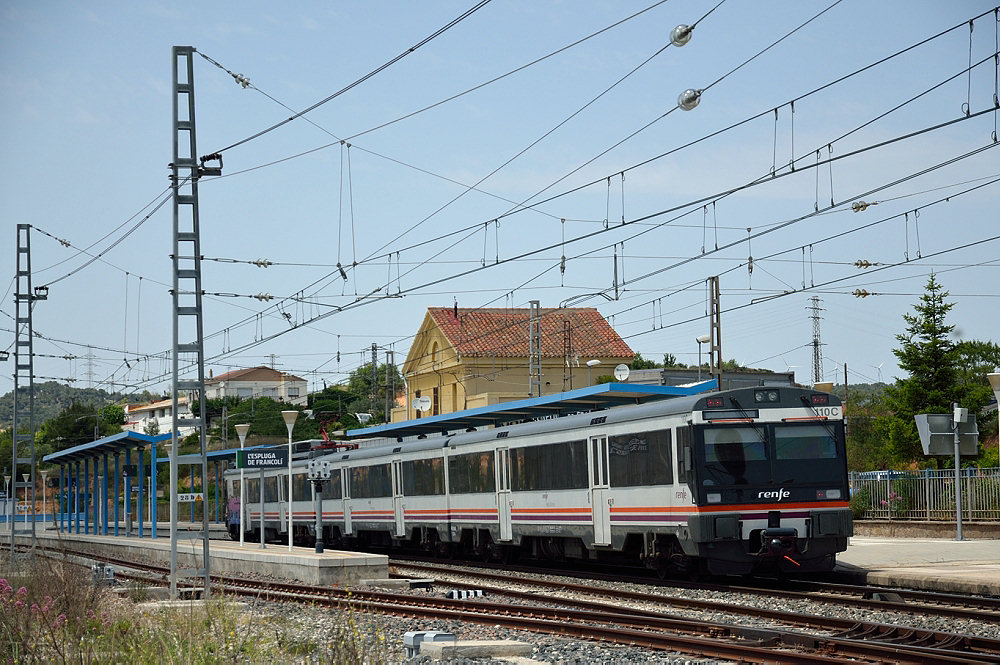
{"x": 591, "y": 398}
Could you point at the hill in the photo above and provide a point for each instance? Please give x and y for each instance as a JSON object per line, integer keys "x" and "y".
{"x": 52, "y": 397}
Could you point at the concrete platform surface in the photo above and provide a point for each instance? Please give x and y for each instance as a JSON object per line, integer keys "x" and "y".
{"x": 937, "y": 564}
{"x": 331, "y": 568}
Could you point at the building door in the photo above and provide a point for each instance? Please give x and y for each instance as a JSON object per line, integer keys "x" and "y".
{"x": 504, "y": 499}
{"x": 600, "y": 490}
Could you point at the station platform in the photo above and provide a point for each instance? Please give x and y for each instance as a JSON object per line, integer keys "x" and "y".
{"x": 331, "y": 568}
{"x": 935, "y": 564}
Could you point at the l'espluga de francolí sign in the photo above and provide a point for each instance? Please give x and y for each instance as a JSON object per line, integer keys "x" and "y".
{"x": 262, "y": 459}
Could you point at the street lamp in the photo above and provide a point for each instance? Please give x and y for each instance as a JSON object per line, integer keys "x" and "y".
{"x": 590, "y": 365}
{"x": 25, "y": 476}
{"x": 701, "y": 339}
{"x": 6, "y": 493}
{"x": 241, "y": 431}
{"x": 44, "y": 496}
{"x": 289, "y": 418}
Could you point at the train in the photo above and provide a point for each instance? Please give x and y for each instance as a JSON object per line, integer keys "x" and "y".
{"x": 746, "y": 481}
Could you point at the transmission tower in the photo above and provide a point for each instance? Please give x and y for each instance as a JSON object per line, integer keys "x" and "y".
{"x": 816, "y": 343}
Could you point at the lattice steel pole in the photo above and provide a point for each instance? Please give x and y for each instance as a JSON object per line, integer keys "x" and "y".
{"x": 23, "y": 448}
{"x": 185, "y": 171}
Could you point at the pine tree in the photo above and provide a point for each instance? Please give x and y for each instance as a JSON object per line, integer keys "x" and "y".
{"x": 930, "y": 357}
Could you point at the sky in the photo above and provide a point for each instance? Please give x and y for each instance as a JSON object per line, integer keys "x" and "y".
{"x": 526, "y": 151}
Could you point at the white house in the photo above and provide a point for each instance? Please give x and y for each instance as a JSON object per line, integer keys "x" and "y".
{"x": 140, "y": 416}
{"x": 258, "y": 382}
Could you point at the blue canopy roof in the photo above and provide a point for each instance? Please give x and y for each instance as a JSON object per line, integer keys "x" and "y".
{"x": 591, "y": 398}
{"x": 115, "y": 443}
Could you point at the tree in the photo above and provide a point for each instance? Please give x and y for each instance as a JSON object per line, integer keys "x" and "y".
{"x": 371, "y": 401}
{"x": 670, "y": 360}
{"x": 941, "y": 372}
{"x": 642, "y": 363}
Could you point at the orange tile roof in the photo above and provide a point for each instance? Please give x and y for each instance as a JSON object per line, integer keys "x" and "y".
{"x": 505, "y": 332}
{"x": 259, "y": 373}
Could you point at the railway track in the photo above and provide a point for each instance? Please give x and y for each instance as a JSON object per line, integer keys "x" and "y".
{"x": 928, "y": 603}
{"x": 607, "y": 620}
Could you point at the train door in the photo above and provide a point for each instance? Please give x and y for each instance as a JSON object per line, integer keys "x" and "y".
{"x": 284, "y": 505}
{"x": 397, "y": 497}
{"x": 600, "y": 490}
{"x": 345, "y": 484}
{"x": 503, "y": 492}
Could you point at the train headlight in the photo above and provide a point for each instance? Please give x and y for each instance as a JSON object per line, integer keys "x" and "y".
{"x": 765, "y": 395}
{"x": 713, "y": 497}
{"x": 833, "y": 494}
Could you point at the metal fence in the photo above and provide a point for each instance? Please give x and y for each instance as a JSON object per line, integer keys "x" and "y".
{"x": 928, "y": 494}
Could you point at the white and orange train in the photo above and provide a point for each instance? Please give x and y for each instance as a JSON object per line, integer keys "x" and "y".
{"x": 740, "y": 482}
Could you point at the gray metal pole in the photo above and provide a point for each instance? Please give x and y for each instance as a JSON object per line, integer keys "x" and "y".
{"x": 318, "y": 504}
{"x": 958, "y": 478}
{"x": 262, "y": 508}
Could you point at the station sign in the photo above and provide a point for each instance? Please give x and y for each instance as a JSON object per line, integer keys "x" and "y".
{"x": 262, "y": 459}
{"x": 195, "y": 496}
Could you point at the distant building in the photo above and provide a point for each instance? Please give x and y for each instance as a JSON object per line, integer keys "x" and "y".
{"x": 467, "y": 358}
{"x": 258, "y": 382}
{"x": 139, "y": 416}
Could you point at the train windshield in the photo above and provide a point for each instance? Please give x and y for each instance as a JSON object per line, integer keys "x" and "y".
{"x": 736, "y": 456}
{"x": 804, "y": 452}
{"x": 769, "y": 454}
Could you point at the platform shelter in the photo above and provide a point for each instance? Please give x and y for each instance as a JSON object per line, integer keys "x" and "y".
{"x": 93, "y": 475}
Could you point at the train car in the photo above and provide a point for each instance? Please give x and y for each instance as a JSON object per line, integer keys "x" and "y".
{"x": 735, "y": 482}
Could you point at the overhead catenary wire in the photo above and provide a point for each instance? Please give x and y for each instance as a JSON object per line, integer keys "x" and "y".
{"x": 437, "y": 33}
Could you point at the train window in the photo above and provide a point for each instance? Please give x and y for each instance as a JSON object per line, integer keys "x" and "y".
{"x": 684, "y": 454}
{"x": 803, "y": 442}
{"x": 556, "y": 466}
{"x": 471, "y": 473}
{"x": 370, "y": 482}
{"x": 640, "y": 459}
{"x": 332, "y": 488}
{"x": 270, "y": 489}
{"x": 253, "y": 490}
{"x": 423, "y": 477}
{"x": 806, "y": 453}
{"x": 300, "y": 487}
{"x": 735, "y": 455}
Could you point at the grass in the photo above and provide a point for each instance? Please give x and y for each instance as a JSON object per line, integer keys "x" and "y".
{"x": 52, "y": 612}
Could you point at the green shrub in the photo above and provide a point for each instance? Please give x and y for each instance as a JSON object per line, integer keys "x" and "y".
{"x": 861, "y": 503}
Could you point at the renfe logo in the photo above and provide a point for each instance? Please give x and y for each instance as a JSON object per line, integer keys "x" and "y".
{"x": 774, "y": 494}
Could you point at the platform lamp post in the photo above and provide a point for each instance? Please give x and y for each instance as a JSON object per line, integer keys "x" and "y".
{"x": 45, "y": 496}
{"x": 26, "y": 476}
{"x": 591, "y": 364}
{"x": 6, "y": 501}
{"x": 289, "y": 418}
{"x": 701, "y": 339}
{"x": 241, "y": 431}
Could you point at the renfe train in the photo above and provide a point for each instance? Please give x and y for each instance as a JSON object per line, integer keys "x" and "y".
{"x": 738, "y": 482}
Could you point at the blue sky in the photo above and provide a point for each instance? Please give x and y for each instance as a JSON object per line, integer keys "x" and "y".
{"x": 86, "y": 130}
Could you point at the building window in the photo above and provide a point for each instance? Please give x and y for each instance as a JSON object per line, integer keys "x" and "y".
{"x": 293, "y": 392}
{"x": 244, "y": 392}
